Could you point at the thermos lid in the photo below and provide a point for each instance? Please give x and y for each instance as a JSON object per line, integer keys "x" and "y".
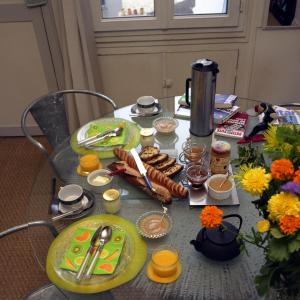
{"x": 205, "y": 65}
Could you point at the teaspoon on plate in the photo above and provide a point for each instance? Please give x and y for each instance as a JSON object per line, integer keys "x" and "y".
{"x": 84, "y": 206}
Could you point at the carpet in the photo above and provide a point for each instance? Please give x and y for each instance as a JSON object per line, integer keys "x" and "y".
{"x": 20, "y": 161}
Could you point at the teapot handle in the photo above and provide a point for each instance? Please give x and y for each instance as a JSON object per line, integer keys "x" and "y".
{"x": 187, "y": 87}
{"x": 237, "y": 216}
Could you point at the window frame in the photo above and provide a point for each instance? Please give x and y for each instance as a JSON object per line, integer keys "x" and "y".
{"x": 164, "y": 18}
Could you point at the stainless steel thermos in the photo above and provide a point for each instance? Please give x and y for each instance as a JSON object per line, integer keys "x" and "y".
{"x": 203, "y": 81}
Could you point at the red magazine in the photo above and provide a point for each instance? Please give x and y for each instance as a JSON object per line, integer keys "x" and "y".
{"x": 234, "y": 127}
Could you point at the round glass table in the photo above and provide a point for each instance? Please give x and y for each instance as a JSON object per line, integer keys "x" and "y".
{"x": 201, "y": 277}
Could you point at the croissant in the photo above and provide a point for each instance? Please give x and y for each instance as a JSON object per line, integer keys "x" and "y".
{"x": 134, "y": 177}
{"x": 177, "y": 190}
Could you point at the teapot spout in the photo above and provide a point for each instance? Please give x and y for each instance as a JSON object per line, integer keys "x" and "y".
{"x": 196, "y": 244}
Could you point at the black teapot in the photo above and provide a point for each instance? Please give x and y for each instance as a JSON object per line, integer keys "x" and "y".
{"x": 220, "y": 243}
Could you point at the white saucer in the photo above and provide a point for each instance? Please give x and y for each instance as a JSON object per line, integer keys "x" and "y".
{"x": 65, "y": 208}
{"x": 157, "y": 109}
{"x": 154, "y": 111}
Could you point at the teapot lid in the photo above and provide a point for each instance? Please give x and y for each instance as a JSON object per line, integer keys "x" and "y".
{"x": 205, "y": 65}
{"x": 221, "y": 236}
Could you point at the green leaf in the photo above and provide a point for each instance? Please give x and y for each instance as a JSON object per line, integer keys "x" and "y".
{"x": 278, "y": 250}
{"x": 294, "y": 246}
{"x": 276, "y": 233}
{"x": 262, "y": 284}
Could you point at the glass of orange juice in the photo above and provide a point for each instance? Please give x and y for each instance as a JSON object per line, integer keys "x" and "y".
{"x": 164, "y": 261}
{"x": 89, "y": 162}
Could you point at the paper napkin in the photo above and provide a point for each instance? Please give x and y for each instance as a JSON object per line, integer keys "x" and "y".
{"x": 107, "y": 259}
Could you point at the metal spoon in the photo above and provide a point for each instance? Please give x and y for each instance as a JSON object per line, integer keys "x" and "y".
{"x": 104, "y": 237}
{"x": 228, "y": 174}
{"x": 84, "y": 206}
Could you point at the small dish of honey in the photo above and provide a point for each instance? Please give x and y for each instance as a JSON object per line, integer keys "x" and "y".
{"x": 154, "y": 224}
{"x": 219, "y": 186}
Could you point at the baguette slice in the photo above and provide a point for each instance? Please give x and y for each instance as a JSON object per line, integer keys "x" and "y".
{"x": 173, "y": 170}
{"x": 148, "y": 153}
{"x": 158, "y": 159}
{"x": 166, "y": 164}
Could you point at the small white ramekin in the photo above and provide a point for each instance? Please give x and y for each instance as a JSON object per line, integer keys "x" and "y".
{"x": 219, "y": 195}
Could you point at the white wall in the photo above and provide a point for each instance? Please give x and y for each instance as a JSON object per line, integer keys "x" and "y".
{"x": 262, "y": 64}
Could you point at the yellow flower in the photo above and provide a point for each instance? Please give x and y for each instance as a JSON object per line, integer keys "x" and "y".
{"x": 286, "y": 149}
{"x": 263, "y": 226}
{"x": 271, "y": 138}
{"x": 283, "y": 204}
{"x": 254, "y": 181}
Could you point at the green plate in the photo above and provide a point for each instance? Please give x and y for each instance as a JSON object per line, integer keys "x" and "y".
{"x": 131, "y": 261}
{"x": 133, "y": 138}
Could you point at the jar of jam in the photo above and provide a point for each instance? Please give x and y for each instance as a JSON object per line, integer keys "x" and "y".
{"x": 220, "y": 157}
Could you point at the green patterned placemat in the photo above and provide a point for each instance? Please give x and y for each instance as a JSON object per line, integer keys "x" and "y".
{"x": 131, "y": 261}
{"x": 131, "y": 130}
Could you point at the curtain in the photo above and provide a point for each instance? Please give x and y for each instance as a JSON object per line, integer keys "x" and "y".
{"x": 76, "y": 37}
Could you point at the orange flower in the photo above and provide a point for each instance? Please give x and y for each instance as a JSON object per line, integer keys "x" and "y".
{"x": 289, "y": 224}
{"x": 282, "y": 169}
{"x": 297, "y": 176}
{"x": 211, "y": 217}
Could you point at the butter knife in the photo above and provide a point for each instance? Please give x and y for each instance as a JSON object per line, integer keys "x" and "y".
{"x": 142, "y": 169}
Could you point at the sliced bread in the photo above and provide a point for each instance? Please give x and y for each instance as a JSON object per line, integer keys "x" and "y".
{"x": 149, "y": 152}
{"x": 158, "y": 159}
{"x": 173, "y": 170}
{"x": 165, "y": 164}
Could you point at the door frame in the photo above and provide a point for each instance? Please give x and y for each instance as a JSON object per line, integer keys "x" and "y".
{"x": 43, "y": 22}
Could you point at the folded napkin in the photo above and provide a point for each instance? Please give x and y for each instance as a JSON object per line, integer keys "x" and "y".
{"x": 107, "y": 259}
{"x": 96, "y": 128}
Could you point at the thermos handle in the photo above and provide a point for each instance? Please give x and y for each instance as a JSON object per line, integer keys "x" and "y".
{"x": 237, "y": 216}
{"x": 187, "y": 88}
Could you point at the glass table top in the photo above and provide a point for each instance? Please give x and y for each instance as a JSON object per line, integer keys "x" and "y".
{"x": 199, "y": 275}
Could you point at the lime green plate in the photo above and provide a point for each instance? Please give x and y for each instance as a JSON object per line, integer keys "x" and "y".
{"x": 132, "y": 140}
{"x": 131, "y": 261}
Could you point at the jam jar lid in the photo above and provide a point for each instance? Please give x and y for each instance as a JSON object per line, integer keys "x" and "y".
{"x": 221, "y": 147}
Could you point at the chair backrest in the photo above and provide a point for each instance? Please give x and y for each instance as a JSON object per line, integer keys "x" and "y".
{"x": 50, "y": 114}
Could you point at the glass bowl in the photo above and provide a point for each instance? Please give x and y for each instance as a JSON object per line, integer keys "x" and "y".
{"x": 153, "y": 225}
{"x": 197, "y": 174}
{"x": 165, "y": 125}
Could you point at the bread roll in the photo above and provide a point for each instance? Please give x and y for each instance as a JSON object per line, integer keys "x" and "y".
{"x": 177, "y": 190}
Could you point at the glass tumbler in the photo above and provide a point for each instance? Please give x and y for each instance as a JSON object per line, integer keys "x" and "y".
{"x": 164, "y": 261}
{"x": 193, "y": 151}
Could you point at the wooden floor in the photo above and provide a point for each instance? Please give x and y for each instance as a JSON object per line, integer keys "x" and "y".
{"x": 20, "y": 162}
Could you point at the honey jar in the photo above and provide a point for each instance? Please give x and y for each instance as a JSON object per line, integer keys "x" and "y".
{"x": 147, "y": 137}
{"x": 220, "y": 157}
{"x": 111, "y": 201}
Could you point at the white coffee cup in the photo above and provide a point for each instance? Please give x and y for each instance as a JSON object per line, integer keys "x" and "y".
{"x": 71, "y": 196}
{"x": 146, "y": 104}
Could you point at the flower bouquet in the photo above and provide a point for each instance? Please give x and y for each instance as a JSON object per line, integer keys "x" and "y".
{"x": 276, "y": 185}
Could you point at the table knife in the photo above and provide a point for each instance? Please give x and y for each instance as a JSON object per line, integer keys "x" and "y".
{"x": 88, "y": 254}
{"x": 101, "y": 134}
{"x": 141, "y": 169}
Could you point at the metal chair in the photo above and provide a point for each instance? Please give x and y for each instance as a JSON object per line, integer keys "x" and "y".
{"x": 17, "y": 228}
{"x": 50, "y": 114}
